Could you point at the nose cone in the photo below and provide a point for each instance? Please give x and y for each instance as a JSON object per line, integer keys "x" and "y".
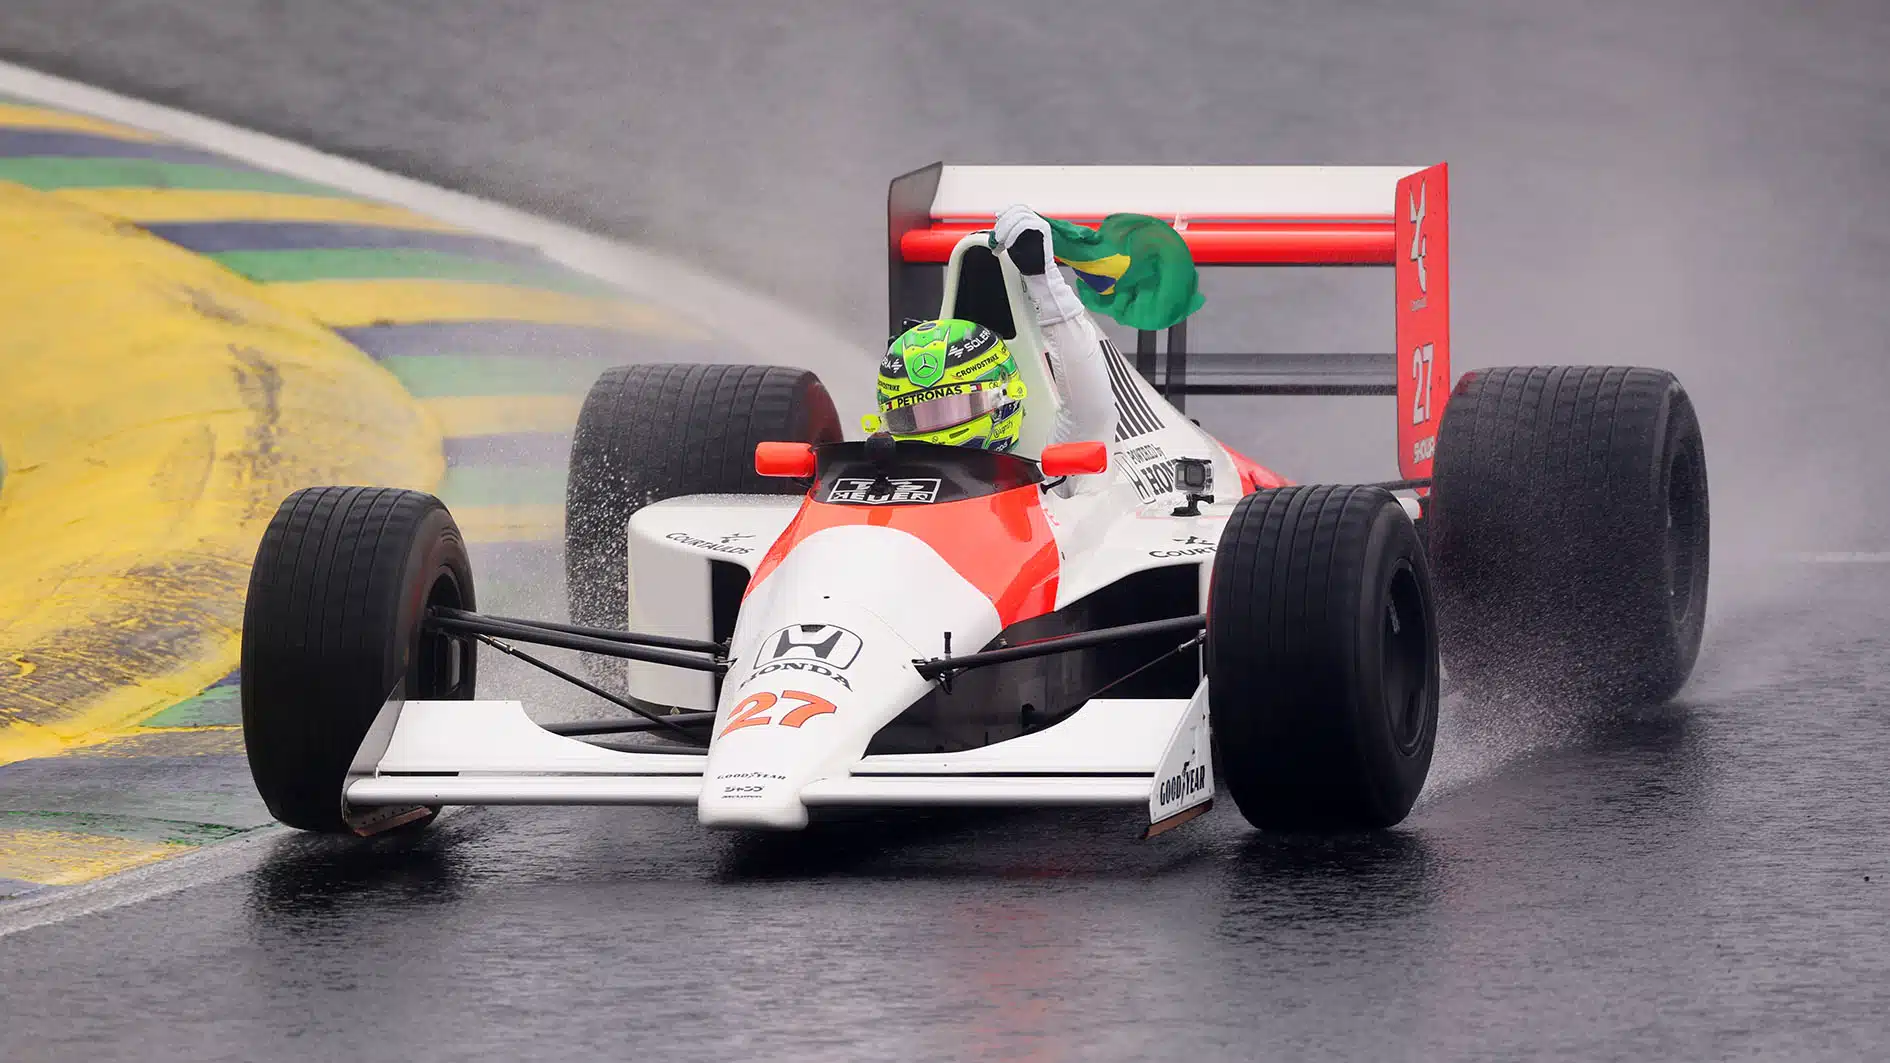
{"x": 822, "y": 659}
{"x": 801, "y": 703}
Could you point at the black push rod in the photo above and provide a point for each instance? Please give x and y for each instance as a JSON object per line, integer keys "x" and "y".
{"x": 939, "y": 666}
{"x": 474, "y": 624}
{"x": 628, "y": 638}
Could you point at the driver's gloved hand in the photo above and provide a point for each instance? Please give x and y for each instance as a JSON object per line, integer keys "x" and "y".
{"x": 1026, "y": 236}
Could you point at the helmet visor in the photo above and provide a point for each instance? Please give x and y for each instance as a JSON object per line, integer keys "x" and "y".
{"x": 942, "y": 408}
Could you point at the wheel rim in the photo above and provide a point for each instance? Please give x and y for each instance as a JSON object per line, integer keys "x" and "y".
{"x": 1407, "y": 661}
{"x": 1686, "y": 520}
{"x": 440, "y": 663}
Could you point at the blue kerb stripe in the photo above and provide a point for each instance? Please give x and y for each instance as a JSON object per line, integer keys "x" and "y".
{"x": 217, "y": 237}
{"x": 522, "y": 338}
{"x": 55, "y": 143}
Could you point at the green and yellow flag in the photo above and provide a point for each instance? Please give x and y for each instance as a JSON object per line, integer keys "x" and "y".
{"x": 1132, "y": 267}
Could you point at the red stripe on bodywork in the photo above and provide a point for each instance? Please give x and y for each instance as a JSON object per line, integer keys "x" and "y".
{"x": 1001, "y": 543}
{"x": 1253, "y": 475}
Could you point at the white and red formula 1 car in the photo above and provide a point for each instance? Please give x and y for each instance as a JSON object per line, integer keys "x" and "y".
{"x": 823, "y": 623}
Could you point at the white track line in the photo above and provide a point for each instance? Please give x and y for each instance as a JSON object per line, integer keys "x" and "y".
{"x": 211, "y": 863}
{"x": 792, "y": 337}
{"x": 1841, "y": 557}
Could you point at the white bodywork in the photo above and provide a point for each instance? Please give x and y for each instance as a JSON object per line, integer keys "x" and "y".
{"x": 791, "y": 733}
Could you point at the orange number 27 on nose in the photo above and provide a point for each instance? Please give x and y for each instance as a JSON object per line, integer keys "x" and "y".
{"x": 749, "y": 712}
{"x": 812, "y": 705}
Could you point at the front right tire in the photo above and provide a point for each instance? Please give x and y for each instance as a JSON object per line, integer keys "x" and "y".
{"x": 333, "y": 626}
{"x": 1322, "y": 659}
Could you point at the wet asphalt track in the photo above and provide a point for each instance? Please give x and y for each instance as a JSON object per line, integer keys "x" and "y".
{"x": 1697, "y": 187}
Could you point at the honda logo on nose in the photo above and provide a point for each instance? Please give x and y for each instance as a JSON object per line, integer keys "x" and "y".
{"x": 835, "y": 646}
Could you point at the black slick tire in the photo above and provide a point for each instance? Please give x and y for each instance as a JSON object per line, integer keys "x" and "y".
{"x": 1322, "y": 659}
{"x": 650, "y": 432}
{"x": 1570, "y": 534}
{"x": 332, "y": 628}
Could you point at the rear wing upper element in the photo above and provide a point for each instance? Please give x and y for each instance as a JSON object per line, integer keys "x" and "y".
{"x": 1230, "y": 216}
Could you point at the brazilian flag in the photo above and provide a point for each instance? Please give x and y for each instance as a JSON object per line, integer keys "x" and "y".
{"x": 1132, "y": 267}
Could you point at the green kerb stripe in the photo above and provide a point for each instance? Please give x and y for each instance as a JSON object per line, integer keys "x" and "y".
{"x": 503, "y": 485}
{"x": 138, "y": 828}
{"x": 430, "y": 376}
{"x": 51, "y": 174}
{"x": 390, "y": 263}
{"x": 218, "y": 705}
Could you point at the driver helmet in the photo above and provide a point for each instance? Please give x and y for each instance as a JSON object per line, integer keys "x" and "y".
{"x": 951, "y": 382}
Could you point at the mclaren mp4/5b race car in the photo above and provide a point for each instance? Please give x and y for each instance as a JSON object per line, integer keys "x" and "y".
{"x": 800, "y": 622}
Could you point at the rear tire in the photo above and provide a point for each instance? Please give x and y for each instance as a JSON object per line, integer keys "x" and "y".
{"x": 1570, "y": 534}
{"x": 650, "y": 432}
{"x": 1322, "y": 659}
{"x": 332, "y": 629}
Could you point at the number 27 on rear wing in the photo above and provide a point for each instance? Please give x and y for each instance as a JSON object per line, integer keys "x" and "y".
{"x": 1230, "y": 216}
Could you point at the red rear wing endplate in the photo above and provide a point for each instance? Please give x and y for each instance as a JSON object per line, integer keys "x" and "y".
{"x": 1407, "y": 229}
{"x": 1422, "y": 290}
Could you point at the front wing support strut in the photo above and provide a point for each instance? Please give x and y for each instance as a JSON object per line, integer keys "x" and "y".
{"x": 627, "y": 645}
{"x": 939, "y": 667}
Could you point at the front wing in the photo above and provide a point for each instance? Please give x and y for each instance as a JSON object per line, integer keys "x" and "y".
{"x": 1111, "y": 752}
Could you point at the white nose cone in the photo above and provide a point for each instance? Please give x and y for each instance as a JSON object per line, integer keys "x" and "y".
{"x": 822, "y": 659}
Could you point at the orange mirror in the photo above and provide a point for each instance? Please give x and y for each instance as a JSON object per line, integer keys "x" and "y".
{"x": 784, "y": 459}
{"x": 1075, "y": 459}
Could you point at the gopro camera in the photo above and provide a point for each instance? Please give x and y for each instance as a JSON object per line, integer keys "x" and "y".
{"x": 1195, "y": 479}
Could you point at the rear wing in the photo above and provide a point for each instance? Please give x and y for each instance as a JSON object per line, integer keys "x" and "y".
{"x": 1230, "y": 216}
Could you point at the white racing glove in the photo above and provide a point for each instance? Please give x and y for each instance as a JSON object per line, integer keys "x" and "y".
{"x": 1025, "y": 236}
{"x": 1071, "y": 339}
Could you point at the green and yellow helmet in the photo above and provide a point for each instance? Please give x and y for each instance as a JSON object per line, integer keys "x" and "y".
{"x": 951, "y": 382}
